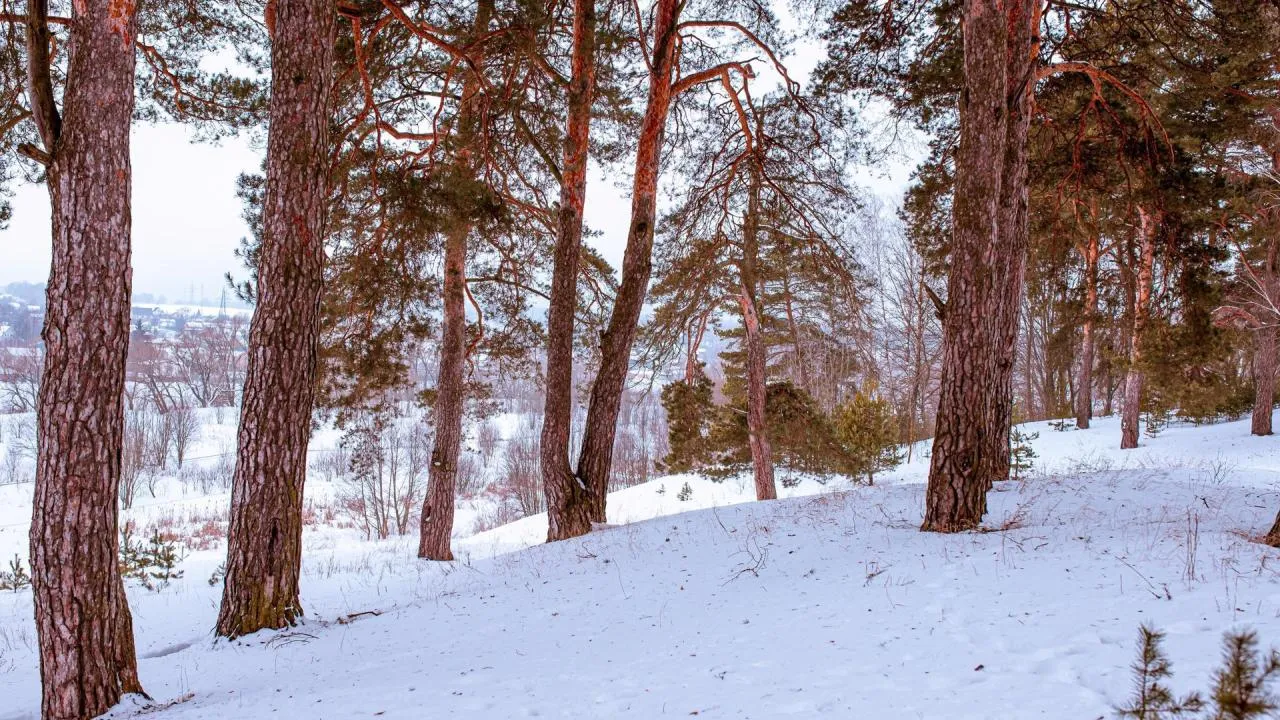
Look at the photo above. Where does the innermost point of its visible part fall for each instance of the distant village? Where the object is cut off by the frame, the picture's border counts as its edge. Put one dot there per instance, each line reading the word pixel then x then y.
pixel 180 355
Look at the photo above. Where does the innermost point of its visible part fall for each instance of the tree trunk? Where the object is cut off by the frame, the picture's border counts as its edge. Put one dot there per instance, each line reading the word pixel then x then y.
pixel 436 525
pixel 83 625
pixel 1141 309
pixel 956 495
pixel 596 458
pixel 1084 386
pixel 757 391
pixel 1264 378
pixel 264 540
pixel 1012 235
pixel 568 506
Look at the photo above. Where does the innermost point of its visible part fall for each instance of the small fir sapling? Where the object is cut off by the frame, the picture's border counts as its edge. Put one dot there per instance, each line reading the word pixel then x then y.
pixel 1152 699
pixel 1021 454
pixel 16 577
pixel 1241 687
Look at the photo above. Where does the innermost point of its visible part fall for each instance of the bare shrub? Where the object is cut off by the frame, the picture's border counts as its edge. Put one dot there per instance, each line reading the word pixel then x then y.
pixel 186 429
pixel 630 461
pixel 332 464
pixel 14 467
pixel 470 477
pixel 521 481
pixel 487 438
pixel 386 475
pixel 133 457
pixel 496 515
pixel 20 369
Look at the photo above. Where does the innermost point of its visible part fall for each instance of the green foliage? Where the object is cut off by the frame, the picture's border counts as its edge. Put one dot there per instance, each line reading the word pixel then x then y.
pixel 866 428
pixel 1021 454
pixel 686 493
pixel 152 563
pixel 1156 421
pixel 803 437
pixel 689 409
pixel 1241 686
pixel 16 577
pixel 1152 699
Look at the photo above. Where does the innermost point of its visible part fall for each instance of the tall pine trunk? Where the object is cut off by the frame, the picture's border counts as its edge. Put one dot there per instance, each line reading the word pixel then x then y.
pixel 436 525
pixel 956 495
pixel 568 507
pixel 1084 385
pixel 596 459
pixel 1264 379
pixel 264 543
pixel 83 625
pixel 1012 235
pixel 1264 337
pixel 1133 378
pixel 757 390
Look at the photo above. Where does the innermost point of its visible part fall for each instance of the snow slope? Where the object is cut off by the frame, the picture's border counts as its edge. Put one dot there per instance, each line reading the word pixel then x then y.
pixel 826 603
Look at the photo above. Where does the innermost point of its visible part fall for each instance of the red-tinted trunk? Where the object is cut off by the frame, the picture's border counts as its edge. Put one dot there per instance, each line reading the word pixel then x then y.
pixel 1264 379
pixel 1084 384
pixel 1012 236
pixel 757 391
pixel 436 525
pixel 956 494
pixel 83 625
pixel 264 545
pixel 596 459
pixel 568 505
pixel 1133 379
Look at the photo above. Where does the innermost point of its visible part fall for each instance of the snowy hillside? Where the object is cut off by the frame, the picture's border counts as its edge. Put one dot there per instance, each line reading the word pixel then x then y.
pixel 826 603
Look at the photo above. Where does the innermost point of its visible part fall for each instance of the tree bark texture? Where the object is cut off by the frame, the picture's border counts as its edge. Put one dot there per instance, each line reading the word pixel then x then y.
pixel 596 459
pixel 436 525
pixel 83 625
pixel 1084 385
pixel 757 390
pixel 1013 233
pixel 264 545
pixel 568 500
pixel 956 495
pixel 1129 419
pixel 1264 379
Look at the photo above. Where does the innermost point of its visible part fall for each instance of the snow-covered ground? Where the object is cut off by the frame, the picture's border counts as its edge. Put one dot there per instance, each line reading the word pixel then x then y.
pixel 828 602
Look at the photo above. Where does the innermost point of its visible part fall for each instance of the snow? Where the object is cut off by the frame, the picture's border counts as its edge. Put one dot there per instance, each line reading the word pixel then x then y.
pixel 828 602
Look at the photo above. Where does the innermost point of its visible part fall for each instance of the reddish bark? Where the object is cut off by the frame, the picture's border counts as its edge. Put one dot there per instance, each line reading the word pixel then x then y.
pixel 1133 379
pixel 264 545
pixel 436 525
pixel 83 625
pixel 695 334
pixel 1084 384
pixel 596 458
pixel 567 497
pixel 956 495
pixel 1264 379
pixel 757 391
pixel 1022 18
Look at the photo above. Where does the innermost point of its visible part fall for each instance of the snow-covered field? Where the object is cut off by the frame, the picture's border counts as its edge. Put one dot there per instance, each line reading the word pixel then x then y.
pixel 828 602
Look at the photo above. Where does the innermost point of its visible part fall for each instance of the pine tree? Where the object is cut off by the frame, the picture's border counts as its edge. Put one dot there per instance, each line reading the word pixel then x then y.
pixel 865 426
pixel 1152 699
pixel 1241 687
pixel 264 544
